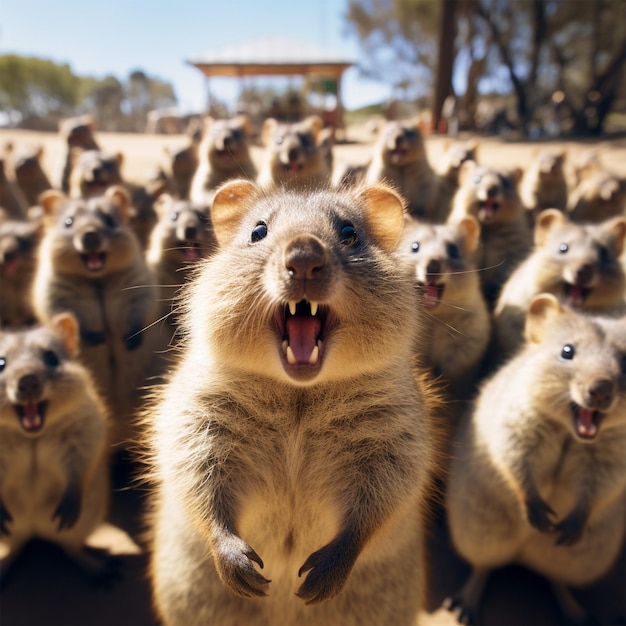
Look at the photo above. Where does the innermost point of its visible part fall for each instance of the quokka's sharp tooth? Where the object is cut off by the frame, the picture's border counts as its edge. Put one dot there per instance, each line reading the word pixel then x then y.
pixel 285 345
pixel 314 306
pixel 291 357
pixel 292 307
pixel 314 356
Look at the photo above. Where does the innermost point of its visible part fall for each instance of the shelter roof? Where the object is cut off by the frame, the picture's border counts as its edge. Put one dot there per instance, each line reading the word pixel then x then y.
pixel 271 56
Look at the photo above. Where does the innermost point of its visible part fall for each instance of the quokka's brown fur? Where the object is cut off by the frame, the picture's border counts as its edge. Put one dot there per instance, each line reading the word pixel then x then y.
pixel 599 196
pixel 90 263
pixel 539 474
pixel 75 132
pixel 291 446
pixel 181 238
pixel 448 169
pixel 180 167
pixel 12 201
pixel 544 183
pixel 399 158
pixel 223 154
pixel 578 263
pixel 297 155
pixel 28 172
pixel 54 475
pixel 18 256
pixel 455 322
pixel 491 196
pixel 95 171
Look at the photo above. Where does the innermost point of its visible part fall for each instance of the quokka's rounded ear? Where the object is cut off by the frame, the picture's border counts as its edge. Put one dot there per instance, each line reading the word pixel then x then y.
pixel 544 309
pixel 470 227
pixel 465 171
pixel 314 123
pixel 243 122
pixel 616 229
pixel 121 198
pixel 384 210
pixel 51 200
pixel 268 130
pixel 162 203
pixel 67 326
pixel 230 204
pixel 546 221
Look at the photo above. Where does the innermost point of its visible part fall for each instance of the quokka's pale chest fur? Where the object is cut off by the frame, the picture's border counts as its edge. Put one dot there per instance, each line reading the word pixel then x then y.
pixel 90 263
pixel 292 443
pixel 54 482
pixel 540 459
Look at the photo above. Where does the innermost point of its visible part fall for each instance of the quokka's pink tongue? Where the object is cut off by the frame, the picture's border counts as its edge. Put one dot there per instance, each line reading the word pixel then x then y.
pixel 576 295
pixel 191 251
pixel 31 419
pixel 431 296
pixel 585 423
pixel 94 261
pixel 11 268
pixel 489 207
pixel 302 332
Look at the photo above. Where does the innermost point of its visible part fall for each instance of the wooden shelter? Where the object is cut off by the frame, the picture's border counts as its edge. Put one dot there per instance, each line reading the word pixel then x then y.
pixel 271 56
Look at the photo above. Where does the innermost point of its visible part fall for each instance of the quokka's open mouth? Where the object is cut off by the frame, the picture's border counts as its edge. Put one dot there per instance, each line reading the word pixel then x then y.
pixel 31 415
pixel 488 208
pixel 432 293
pixel 302 328
pixel 94 261
pixel 576 294
pixel 586 421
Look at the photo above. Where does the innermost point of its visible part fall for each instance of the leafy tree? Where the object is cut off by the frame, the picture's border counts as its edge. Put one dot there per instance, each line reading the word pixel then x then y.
pixel 142 94
pixel 398 38
pixel 103 98
pixel 446 55
pixel 554 55
pixel 550 45
pixel 37 87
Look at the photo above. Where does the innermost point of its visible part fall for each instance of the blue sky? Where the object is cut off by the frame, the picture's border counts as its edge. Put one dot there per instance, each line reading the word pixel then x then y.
pixel 157 36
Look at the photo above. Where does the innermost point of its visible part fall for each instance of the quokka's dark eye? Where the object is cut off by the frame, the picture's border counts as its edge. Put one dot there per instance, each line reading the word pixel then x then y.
pixel 306 141
pixel 3 363
pixel 506 183
pixel 563 248
pixel 348 235
pixel 68 221
pixel 453 251
pixel 568 351
pixel 259 232
pixel 605 255
pixel 109 220
pixel 50 358
pixel 415 246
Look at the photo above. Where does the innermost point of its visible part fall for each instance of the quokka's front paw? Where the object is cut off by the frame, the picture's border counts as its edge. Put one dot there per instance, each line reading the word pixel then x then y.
pixel 233 559
pixel 68 510
pixel 570 530
pixel 134 337
pixel 329 568
pixel 539 513
pixel 463 613
pixel 5 517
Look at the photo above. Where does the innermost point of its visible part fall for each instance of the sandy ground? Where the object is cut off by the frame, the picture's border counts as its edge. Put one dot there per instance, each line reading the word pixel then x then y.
pixel 46 588
pixel 143 152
